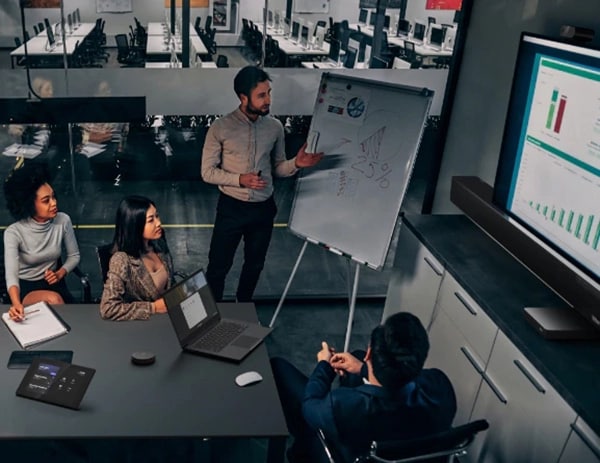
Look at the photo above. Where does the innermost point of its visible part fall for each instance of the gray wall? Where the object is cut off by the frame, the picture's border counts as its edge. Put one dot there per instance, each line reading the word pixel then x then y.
pixel 477 121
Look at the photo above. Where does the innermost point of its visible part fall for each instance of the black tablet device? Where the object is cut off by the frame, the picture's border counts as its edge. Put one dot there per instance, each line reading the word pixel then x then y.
pixel 55 382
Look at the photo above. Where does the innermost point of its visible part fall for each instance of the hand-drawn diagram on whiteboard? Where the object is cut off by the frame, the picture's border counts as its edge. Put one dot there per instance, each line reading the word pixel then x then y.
pixel 114 6
pixel 370 134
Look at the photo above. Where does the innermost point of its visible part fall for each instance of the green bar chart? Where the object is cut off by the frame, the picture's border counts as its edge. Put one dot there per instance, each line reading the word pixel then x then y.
pixel 584 227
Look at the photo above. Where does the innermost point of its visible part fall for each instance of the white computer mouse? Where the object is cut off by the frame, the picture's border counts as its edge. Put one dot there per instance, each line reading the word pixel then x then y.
pixel 248 378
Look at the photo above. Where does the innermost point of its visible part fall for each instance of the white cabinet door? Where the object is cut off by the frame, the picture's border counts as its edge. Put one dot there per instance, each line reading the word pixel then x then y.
pixel 450 352
pixel 478 329
pixel 583 445
pixel 529 421
pixel 415 279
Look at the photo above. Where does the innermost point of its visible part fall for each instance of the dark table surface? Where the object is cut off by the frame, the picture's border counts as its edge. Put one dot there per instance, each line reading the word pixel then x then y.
pixel 181 395
pixel 503 287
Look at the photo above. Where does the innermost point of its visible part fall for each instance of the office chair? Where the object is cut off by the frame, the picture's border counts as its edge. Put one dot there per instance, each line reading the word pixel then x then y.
pixel 103 253
pixel 445 446
pixel 26 36
pixel 411 56
pixel 41 26
pixel 222 61
pixel 208 24
pixel 36 31
pixel 198 24
pixel 126 55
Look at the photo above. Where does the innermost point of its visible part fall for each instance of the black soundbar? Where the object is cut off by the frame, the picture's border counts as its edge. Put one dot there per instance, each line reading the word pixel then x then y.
pixel 474 197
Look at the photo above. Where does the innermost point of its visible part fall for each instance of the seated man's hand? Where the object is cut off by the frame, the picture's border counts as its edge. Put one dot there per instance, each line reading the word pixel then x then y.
pixel 325 353
pixel 345 363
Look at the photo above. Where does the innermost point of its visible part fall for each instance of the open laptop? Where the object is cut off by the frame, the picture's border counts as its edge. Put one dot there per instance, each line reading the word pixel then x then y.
pixel 200 327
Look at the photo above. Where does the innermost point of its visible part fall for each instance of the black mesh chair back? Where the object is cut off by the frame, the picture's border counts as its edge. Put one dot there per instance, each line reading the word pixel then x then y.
pixel 104 252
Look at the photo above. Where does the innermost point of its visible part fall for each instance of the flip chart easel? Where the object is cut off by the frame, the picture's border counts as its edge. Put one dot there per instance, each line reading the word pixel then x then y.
pixel 349 203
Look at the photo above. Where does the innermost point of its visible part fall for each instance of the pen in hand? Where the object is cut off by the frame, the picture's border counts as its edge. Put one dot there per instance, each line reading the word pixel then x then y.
pixel 29 313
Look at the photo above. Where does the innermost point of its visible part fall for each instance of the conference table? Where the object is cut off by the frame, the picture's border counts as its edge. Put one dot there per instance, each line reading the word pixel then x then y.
pixel 181 395
pixel 37 46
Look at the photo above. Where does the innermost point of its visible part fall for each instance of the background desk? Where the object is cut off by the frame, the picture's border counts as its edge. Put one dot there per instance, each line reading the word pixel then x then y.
pixel 37 48
pixel 181 395
pixel 295 49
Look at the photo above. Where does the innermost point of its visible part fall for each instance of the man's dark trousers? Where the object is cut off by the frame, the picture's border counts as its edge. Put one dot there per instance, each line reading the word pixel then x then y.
pixel 236 219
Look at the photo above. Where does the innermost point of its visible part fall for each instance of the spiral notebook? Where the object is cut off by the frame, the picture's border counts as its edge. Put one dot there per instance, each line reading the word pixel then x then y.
pixel 41 324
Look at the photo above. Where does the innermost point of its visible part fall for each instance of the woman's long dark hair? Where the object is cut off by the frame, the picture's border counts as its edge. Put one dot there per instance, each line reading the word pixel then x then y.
pixel 129 227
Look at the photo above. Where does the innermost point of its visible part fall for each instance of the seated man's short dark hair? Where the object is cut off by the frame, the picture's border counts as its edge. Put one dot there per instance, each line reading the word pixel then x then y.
pixel 399 348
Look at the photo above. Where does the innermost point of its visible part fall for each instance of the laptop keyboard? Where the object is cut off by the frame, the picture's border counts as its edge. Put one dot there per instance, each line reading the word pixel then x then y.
pixel 220 336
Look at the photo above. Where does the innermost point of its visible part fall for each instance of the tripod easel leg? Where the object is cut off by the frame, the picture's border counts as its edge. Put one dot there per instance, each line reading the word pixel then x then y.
pixel 352 307
pixel 288 284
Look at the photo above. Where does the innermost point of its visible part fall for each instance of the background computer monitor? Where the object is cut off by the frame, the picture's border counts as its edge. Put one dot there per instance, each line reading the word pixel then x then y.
pixel 386 22
pixel 372 18
pixel 436 35
pixel 334 49
pixel 77 16
pixel 50 33
pixel 70 22
pixel 304 36
pixel 270 18
pixel 350 57
pixel 449 38
pixel 295 30
pixel 319 37
pixel 363 14
pixel 403 27
pixel 419 31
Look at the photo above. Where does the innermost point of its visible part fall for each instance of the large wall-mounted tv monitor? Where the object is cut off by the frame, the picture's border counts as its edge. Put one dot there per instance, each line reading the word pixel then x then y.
pixel 419 31
pixel 548 177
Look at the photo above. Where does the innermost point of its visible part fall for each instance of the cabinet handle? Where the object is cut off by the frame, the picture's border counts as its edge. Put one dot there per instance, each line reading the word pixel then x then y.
pixel 494 388
pixel 471 359
pixel 433 266
pixel 464 302
pixel 529 376
pixel 577 429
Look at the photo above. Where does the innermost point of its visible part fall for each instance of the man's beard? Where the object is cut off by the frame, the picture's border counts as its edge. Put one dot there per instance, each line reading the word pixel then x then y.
pixel 257 112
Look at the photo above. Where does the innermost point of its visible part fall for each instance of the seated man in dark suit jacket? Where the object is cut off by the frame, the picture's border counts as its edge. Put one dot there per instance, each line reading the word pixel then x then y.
pixel 388 395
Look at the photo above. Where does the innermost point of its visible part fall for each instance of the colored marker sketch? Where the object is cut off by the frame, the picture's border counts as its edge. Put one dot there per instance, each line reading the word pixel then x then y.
pixel 340 184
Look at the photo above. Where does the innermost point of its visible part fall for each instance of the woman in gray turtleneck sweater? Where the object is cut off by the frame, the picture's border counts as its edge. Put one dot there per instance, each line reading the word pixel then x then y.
pixel 34 243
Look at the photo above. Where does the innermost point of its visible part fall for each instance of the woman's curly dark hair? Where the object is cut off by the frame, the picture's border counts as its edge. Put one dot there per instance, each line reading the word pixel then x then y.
pixel 20 189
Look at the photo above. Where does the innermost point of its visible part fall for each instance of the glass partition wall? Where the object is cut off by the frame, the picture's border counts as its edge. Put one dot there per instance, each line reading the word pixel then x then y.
pixel 129 124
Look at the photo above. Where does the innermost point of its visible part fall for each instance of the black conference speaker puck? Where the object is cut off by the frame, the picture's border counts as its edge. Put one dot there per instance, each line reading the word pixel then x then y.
pixel 143 358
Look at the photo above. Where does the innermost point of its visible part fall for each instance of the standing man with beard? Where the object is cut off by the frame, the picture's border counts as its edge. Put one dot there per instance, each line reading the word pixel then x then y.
pixel 242 152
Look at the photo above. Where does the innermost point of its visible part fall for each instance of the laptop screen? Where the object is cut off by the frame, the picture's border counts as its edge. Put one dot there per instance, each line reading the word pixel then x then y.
pixel 190 304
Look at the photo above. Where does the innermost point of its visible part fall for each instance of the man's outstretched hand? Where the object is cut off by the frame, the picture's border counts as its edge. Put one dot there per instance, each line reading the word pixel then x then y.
pixel 304 159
